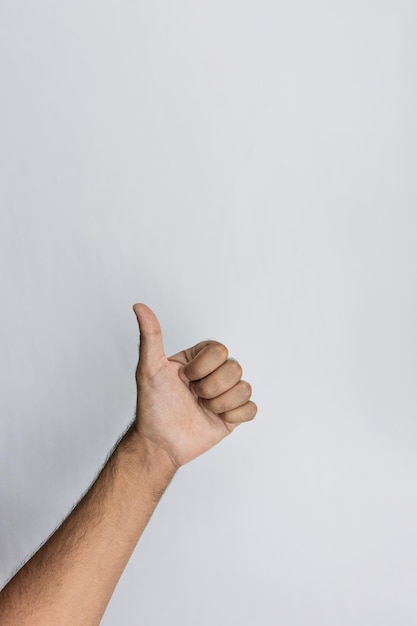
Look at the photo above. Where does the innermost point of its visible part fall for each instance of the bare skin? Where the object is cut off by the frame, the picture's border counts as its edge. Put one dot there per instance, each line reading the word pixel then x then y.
pixel 185 405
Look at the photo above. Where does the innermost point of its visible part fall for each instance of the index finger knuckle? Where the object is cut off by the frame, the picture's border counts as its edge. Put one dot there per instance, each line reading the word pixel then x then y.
pixel 220 349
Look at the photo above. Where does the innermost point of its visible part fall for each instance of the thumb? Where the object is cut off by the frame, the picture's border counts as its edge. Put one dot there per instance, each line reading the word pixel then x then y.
pixel 151 347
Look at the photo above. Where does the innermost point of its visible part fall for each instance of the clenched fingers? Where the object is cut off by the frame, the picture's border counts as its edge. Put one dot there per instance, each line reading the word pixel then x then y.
pixel 235 397
pixel 205 358
pixel 218 382
pixel 241 414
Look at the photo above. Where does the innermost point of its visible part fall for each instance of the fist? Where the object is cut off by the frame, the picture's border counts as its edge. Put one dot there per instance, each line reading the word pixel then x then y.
pixel 190 401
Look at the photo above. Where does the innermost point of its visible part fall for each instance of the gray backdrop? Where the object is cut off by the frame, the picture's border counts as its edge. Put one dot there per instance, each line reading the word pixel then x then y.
pixel 247 169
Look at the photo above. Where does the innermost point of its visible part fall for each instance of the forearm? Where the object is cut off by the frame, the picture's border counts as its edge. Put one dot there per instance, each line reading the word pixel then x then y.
pixel 70 579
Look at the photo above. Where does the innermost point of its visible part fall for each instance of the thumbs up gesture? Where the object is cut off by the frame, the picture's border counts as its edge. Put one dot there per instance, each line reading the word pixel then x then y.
pixel 190 401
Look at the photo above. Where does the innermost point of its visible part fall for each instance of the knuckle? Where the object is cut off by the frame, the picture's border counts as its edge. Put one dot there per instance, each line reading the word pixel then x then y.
pixel 246 388
pixel 254 410
pixel 220 349
pixel 237 367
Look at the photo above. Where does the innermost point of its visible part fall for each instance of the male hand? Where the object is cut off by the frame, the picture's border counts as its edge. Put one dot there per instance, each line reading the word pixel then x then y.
pixel 190 401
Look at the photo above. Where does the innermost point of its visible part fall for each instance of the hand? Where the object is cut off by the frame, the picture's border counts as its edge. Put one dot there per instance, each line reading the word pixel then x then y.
pixel 190 401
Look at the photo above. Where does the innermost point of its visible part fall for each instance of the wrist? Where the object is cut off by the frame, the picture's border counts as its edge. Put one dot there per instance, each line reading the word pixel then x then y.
pixel 153 457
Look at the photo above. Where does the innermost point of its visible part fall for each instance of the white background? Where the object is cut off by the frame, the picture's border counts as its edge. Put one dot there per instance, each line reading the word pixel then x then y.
pixel 247 169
